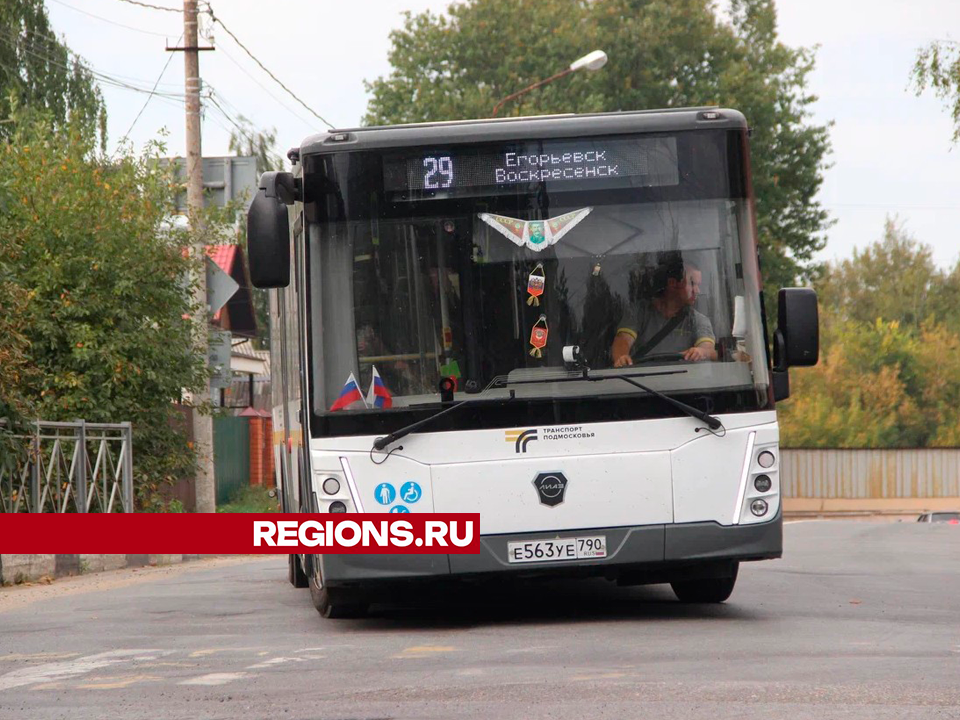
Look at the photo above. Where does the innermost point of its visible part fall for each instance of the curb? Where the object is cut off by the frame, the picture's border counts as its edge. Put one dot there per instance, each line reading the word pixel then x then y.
pixel 16 569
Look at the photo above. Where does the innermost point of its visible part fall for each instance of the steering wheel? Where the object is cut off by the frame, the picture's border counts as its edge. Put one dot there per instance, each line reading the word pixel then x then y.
pixel 658 357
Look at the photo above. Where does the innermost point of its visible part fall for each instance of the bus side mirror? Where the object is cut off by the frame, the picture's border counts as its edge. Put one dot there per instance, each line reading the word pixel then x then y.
pixel 796 342
pixel 268 242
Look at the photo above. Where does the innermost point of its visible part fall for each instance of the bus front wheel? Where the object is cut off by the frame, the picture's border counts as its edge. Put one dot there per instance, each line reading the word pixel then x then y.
pixel 334 603
pixel 706 590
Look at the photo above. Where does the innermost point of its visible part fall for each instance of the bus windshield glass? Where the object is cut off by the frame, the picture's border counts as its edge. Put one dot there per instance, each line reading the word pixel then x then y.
pixel 482 263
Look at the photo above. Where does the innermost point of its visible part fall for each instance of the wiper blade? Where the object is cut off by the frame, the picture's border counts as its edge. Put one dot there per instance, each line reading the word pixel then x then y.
pixel 712 422
pixel 381 442
pixel 501 381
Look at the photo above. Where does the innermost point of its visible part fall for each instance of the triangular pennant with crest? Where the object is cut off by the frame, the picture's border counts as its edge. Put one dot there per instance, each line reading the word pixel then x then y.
pixel 535 234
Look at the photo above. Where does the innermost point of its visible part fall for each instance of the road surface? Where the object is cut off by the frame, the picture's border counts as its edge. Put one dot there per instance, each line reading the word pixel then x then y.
pixel 859 620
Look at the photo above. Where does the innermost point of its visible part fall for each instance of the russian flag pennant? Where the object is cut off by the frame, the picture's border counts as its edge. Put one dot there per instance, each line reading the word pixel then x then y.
pixel 349 395
pixel 378 396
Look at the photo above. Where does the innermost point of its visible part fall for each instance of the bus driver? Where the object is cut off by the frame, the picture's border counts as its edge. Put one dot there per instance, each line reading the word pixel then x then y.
pixel 667 323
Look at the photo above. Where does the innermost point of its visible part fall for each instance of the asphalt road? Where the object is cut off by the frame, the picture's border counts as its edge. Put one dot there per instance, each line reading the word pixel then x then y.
pixel 859 620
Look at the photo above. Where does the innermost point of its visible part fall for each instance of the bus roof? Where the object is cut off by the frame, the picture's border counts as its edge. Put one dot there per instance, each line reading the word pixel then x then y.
pixel 542 126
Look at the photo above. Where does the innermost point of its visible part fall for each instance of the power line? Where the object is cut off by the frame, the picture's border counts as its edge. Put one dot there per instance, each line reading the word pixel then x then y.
pixel 265 89
pixel 243 132
pixel 111 22
pixel 263 67
pixel 152 7
pixel 149 97
pixel 115 81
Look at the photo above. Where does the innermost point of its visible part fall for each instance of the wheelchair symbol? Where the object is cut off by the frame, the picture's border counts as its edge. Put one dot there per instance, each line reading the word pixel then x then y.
pixel 410 492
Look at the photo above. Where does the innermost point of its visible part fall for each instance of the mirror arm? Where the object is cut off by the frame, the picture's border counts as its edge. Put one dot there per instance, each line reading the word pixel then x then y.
pixel 779 351
pixel 282 186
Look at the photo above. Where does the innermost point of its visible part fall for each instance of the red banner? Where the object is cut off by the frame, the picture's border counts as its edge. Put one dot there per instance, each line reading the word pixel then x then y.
pixel 253 533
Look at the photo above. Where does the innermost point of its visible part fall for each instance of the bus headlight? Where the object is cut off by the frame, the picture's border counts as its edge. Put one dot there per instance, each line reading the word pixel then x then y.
pixel 759 507
pixel 763 483
pixel 766 459
pixel 339 507
pixel 331 486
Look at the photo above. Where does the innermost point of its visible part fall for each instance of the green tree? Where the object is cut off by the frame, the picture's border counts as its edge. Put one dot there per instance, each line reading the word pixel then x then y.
pixel 892 279
pixel 247 141
pixel 859 395
pixel 108 312
pixel 39 71
pixel 938 67
pixel 889 372
pixel 662 54
pixel 15 367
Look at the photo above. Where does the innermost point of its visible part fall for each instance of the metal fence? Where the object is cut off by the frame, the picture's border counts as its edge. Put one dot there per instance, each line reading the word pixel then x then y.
pixel 70 467
pixel 870 474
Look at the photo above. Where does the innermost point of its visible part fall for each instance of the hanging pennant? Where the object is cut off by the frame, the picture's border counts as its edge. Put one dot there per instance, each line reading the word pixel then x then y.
pixel 535 285
pixel 538 337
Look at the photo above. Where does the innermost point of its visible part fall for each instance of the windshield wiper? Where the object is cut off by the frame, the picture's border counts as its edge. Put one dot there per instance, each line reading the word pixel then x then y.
pixel 712 422
pixel 381 442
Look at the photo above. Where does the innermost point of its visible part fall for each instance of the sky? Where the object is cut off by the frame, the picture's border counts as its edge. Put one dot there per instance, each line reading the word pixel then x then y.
pixel 892 152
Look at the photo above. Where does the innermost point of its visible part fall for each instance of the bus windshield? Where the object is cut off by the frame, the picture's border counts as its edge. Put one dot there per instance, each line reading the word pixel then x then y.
pixel 409 285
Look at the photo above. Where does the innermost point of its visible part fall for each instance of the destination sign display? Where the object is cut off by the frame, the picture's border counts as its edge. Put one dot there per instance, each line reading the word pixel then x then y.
pixel 634 162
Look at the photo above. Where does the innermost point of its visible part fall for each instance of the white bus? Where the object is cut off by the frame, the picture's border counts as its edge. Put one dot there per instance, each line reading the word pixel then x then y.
pixel 556 322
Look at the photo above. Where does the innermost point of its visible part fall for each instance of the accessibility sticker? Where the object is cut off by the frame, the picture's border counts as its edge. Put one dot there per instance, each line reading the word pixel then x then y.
pixel 385 493
pixel 410 492
pixel 399 509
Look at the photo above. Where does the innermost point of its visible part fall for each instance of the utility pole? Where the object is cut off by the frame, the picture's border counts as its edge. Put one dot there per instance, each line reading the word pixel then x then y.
pixel 202 423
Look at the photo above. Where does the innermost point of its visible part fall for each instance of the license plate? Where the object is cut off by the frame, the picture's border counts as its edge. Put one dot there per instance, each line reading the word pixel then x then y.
pixel 574 548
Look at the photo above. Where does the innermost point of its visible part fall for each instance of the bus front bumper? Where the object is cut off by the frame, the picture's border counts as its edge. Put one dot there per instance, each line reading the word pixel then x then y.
pixel 646 553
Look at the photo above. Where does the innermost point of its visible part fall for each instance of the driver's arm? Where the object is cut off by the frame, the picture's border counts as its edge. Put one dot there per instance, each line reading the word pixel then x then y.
pixel 705 346
pixel 704 350
pixel 620 350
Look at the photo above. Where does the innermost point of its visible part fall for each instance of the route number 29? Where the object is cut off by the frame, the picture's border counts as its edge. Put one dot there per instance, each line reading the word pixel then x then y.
pixel 439 172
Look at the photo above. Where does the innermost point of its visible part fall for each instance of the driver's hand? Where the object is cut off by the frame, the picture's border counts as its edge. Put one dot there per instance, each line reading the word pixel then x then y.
pixel 622 361
pixel 696 354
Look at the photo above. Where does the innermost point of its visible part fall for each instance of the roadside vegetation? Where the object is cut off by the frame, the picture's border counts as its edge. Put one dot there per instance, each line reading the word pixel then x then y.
pixel 889 371
pixel 251 499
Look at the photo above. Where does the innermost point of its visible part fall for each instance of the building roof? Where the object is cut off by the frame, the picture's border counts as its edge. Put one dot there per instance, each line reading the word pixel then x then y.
pixel 245 358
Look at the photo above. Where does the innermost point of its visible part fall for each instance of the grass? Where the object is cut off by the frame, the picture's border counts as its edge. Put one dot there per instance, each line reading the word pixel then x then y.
pixel 250 499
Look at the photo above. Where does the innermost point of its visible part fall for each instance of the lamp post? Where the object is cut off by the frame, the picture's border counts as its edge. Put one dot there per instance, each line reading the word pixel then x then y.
pixel 591 61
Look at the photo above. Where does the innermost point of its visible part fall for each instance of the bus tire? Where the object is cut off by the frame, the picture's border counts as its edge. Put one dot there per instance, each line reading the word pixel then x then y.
pixel 298 578
pixel 334 603
pixel 706 590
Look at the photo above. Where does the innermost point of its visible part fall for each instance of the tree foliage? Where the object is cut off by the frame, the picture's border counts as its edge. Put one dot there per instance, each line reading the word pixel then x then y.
pixel 39 71
pixel 105 305
pixel 662 55
pixel 247 141
pixel 889 371
pixel 938 67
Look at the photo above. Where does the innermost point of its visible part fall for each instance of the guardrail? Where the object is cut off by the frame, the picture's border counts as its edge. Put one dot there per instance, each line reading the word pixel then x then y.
pixel 71 467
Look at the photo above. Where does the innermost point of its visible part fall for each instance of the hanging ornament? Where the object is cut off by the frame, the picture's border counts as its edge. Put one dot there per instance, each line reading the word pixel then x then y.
pixel 538 337
pixel 535 285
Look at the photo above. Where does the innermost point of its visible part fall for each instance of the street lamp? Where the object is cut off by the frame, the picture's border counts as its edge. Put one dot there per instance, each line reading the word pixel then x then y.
pixel 591 61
